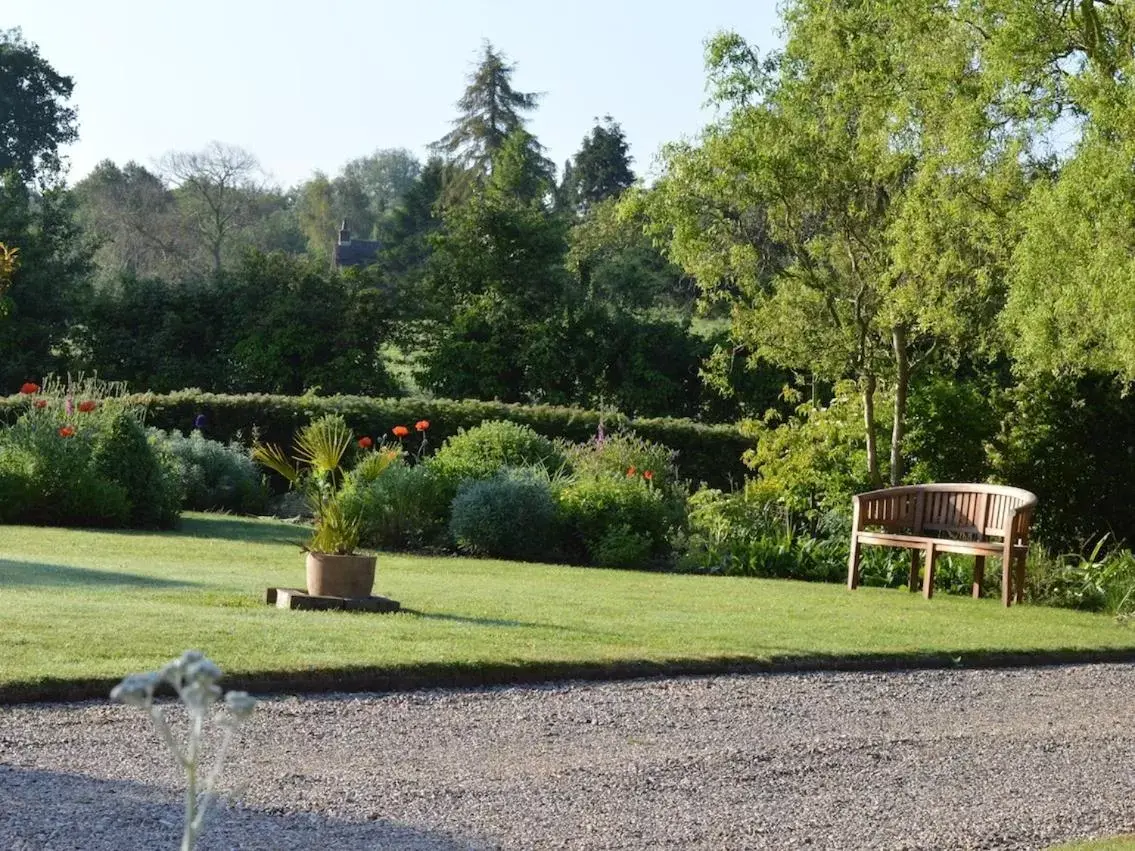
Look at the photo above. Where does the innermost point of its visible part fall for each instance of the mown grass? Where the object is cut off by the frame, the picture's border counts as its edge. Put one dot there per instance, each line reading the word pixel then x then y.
pixel 80 605
pixel 1118 843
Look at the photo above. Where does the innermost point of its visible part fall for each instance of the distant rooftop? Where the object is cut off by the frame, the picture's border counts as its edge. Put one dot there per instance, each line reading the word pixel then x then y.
pixel 354 252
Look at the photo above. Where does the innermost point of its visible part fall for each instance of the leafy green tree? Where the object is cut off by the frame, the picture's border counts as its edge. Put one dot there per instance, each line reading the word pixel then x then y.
pixel 1071 302
pixel 850 152
pixel 316 214
pixel 491 110
pixel 378 181
pixel 601 169
pixel 49 287
pixel 35 120
pixel 617 264
pixel 496 270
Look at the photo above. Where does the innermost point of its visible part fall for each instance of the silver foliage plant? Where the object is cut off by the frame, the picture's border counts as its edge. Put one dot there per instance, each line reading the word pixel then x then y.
pixel 194 678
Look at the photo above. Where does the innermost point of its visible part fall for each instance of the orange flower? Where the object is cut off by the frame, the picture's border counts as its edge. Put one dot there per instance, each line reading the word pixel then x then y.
pixel 365 443
pixel 29 387
pixel 630 472
pixel 66 431
pixel 87 406
pixel 422 425
pixel 41 403
pixel 400 431
pixel 648 475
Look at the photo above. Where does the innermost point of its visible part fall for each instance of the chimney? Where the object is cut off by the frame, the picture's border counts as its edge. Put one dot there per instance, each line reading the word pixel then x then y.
pixel 344 234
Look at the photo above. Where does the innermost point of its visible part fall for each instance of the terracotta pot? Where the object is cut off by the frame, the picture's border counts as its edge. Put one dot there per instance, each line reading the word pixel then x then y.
pixel 331 575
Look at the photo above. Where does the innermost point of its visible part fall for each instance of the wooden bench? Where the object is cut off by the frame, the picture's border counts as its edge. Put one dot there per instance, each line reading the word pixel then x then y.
pixel 947 518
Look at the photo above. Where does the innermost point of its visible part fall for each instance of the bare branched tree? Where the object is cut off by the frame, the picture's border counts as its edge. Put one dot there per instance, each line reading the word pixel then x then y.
pixel 218 187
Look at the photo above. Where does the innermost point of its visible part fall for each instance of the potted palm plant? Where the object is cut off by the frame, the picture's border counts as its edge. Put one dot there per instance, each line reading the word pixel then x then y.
pixel 315 469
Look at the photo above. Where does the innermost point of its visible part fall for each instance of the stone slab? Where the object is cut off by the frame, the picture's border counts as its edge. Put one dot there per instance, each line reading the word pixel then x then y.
pixel 297 598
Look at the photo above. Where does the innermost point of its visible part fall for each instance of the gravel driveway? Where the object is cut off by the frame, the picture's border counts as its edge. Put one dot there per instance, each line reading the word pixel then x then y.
pixel 928 759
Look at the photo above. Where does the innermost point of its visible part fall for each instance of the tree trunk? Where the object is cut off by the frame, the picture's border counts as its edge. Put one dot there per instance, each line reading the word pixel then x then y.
pixel 902 385
pixel 869 423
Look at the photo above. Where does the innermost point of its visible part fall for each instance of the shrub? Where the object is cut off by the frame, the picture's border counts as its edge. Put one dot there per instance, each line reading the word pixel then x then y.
pixel 598 509
pixel 122 454
pixel 511 515
pixel 480 452
pixel 400 507
pixel 746 534
pixel 709 453
pixel 622 546
pixel 1102 581
pixel 213 476
pixel 53 480
pixel 616 454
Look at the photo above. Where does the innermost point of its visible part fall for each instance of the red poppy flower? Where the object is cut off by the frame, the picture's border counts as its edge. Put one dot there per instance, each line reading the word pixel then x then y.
pixel 29 387
pixel 400 431
pixel 87 406
pixel 41 403
pixel 365 443
pixel 630 472
pixel 66 431
pixel 422 425
pixel 648 475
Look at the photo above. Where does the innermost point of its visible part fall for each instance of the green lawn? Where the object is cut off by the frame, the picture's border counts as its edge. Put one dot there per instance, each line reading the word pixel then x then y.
pixel 81 605
pixel 1119 843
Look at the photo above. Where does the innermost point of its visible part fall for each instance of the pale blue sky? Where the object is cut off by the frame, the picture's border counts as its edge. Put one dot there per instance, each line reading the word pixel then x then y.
pixel 310 85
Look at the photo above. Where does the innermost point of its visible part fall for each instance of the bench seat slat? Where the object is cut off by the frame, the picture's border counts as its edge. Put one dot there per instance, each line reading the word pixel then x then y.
pixel 942 545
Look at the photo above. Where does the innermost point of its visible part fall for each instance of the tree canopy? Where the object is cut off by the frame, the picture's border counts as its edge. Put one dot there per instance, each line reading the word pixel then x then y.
pixel 35 120
pixel 491 110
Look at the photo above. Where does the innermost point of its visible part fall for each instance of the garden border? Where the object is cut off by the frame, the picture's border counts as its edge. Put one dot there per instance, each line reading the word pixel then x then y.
pixel 471 676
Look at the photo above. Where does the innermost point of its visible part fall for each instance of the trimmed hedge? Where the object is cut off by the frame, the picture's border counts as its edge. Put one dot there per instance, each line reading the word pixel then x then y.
pixel 706 453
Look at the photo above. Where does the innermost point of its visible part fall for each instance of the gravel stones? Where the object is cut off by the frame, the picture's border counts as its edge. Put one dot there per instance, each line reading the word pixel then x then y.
pixel 917 760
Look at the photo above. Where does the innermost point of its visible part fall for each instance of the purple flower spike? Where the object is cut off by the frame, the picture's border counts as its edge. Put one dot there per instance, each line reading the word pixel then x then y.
pixel 70 405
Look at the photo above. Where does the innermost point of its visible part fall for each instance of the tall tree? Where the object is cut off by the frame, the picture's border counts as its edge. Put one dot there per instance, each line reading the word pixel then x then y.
pixel 1071 68
pixel 851 149
pixel 497 270
pixel 216 189
pixel 316 212
pixel 381 178
pixel 49 286
pixel 134 219
pixel 601 169
pixel 490 111
pixel 35 120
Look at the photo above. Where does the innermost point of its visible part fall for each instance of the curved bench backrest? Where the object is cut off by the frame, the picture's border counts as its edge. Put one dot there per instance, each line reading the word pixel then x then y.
pixel 964 509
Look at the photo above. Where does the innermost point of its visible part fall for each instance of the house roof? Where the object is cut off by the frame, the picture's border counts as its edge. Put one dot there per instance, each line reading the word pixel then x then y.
pixel 357 252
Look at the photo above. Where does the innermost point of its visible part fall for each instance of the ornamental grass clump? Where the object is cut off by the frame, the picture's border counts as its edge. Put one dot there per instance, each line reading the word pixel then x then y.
pixel 194 679
pixel 316 471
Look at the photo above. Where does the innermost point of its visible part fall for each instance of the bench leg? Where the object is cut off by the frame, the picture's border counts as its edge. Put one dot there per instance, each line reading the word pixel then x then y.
pixel 928 577
pixel 1006 580
pixel 853 563
pixel 978 575
pixel 912 582
pixel 1019 579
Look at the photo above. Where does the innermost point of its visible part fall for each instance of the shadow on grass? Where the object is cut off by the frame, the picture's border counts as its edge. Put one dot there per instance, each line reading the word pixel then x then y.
pixel 445 616
pixel 245 530
pixel 32 574
pixel 145 816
